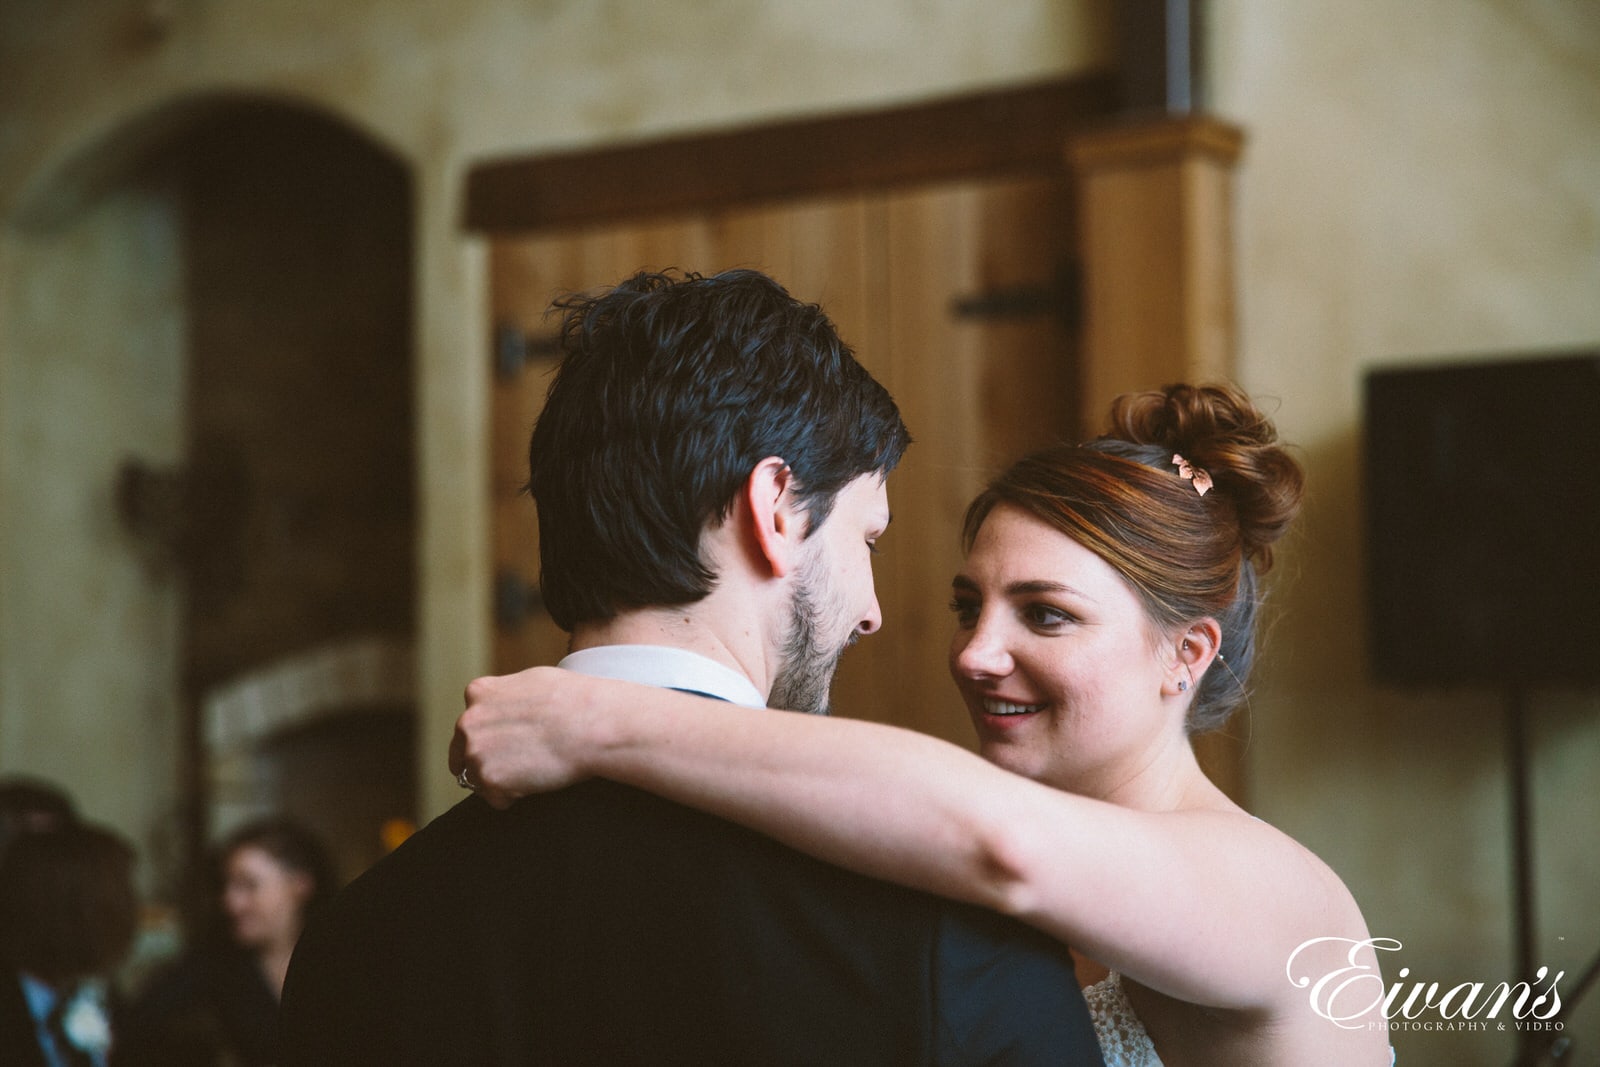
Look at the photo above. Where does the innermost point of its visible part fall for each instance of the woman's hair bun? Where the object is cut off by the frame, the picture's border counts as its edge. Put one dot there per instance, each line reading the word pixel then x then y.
pixel 1218 428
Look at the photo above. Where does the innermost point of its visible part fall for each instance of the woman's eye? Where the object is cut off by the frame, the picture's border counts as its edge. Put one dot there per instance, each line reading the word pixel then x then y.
pixel 966 611
pixel 1045 616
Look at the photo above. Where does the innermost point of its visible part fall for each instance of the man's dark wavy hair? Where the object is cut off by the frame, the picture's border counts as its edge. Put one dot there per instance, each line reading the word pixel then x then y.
pixel 671 389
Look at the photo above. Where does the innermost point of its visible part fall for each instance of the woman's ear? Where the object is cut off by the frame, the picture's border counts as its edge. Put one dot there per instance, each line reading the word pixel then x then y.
pixel 778 523
pixel 1195 647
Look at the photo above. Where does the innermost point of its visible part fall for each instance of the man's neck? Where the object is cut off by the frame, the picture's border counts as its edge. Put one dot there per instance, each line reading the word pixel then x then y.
pixel 679 628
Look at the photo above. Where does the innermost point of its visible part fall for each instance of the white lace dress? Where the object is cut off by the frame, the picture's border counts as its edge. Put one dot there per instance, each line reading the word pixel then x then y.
pixel 1122 1037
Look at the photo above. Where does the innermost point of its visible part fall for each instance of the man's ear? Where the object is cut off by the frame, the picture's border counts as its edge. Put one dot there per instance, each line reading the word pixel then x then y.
pixel 778 523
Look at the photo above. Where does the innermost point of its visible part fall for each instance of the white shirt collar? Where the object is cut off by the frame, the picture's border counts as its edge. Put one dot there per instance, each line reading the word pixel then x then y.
pixel 669 668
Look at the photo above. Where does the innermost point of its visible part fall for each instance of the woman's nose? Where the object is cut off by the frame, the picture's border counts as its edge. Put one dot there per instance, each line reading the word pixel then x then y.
pixel 980 652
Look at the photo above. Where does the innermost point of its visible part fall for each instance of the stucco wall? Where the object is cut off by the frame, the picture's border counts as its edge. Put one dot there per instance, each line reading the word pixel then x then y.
pixel 1421 180
pixel 91 374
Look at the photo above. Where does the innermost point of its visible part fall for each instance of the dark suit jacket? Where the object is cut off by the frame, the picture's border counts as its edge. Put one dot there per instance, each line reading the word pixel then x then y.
pixel 19 1044
pixel 602 925
pixel 211 1005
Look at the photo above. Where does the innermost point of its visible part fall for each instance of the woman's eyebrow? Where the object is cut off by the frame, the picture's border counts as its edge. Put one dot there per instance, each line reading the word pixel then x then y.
pixel 1041 585
pixel 961 583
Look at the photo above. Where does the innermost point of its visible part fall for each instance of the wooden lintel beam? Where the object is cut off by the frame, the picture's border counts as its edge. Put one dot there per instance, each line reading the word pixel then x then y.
pixel 1020 129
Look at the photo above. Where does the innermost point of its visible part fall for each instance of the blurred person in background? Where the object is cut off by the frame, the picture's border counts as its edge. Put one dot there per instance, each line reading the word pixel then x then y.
pixel 218 1002
pixel 68 912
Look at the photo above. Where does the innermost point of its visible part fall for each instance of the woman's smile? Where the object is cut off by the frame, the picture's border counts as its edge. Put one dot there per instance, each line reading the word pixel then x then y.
pixel 1009 709
pixel 1055 656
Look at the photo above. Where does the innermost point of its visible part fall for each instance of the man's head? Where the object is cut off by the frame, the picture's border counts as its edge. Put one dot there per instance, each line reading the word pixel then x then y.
pixel 671 391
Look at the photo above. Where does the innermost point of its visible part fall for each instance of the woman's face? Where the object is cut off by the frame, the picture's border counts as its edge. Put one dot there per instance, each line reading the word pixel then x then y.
pixel 1060 667
pixel 265 900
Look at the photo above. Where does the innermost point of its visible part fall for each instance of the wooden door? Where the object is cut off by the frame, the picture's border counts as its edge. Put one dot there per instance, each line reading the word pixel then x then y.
pixel 893 269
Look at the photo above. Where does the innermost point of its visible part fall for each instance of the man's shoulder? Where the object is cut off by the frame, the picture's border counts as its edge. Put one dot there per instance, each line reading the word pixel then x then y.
pixel 597 818
pixel 462 835
pixel 472 862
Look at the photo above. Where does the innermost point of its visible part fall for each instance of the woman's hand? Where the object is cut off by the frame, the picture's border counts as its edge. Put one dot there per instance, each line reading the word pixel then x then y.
pixel 521 734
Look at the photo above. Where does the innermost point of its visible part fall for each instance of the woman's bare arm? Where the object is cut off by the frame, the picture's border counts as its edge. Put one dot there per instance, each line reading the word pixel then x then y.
pixel 799 778
pixel 1204 906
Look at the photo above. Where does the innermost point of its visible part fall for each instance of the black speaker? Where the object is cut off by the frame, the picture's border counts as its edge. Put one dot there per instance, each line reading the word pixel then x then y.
pixel 1483 522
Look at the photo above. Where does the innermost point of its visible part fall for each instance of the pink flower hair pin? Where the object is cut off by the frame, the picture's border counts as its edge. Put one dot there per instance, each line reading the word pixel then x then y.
pixel 1197 475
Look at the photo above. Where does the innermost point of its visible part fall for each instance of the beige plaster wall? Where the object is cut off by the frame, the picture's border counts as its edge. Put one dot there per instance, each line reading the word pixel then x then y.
pixel 93 374
pixel 1421 180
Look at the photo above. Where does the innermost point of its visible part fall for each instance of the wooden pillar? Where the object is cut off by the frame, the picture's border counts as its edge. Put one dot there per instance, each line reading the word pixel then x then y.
pixel 1154 207
pixel 1155 216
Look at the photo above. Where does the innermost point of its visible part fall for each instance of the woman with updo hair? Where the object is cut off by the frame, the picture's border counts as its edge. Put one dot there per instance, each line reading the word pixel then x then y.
pixel 1106 613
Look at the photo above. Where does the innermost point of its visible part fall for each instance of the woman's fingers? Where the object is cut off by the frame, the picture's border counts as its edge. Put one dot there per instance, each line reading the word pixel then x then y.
pixel 504 741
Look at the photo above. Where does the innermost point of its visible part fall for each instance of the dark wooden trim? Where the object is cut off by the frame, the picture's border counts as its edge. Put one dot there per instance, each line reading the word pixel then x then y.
pixel 1012 130
pixel 1158 41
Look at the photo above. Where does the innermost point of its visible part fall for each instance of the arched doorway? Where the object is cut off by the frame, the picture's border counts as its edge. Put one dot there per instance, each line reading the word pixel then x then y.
pixel 301 528
pixel 236 272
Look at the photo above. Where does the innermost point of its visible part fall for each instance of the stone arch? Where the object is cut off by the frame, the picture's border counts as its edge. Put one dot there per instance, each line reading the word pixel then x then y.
pixel 75 177
pixel 123 493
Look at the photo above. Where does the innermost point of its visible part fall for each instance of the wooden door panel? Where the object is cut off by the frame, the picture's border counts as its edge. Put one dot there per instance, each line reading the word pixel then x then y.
pixel 888 267
pixel 680 244
pixel 756 238
pixel 817 249
pixel 526 275
pixel 976 393
pixel 935 253
pixel 1026 374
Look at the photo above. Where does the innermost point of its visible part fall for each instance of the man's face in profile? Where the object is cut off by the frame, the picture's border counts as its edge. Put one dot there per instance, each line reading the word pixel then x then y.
pixel 834 599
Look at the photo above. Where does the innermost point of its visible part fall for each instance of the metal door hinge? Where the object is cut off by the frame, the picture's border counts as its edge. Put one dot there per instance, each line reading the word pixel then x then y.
pixel 1060 296
pixel 515 599
pixel 514 349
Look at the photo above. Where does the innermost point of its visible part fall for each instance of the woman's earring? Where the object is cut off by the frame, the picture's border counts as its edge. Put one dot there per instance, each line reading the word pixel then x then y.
pixel 1183 685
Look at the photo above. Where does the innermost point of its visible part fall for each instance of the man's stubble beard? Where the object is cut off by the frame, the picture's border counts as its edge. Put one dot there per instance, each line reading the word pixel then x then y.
pixel 807 670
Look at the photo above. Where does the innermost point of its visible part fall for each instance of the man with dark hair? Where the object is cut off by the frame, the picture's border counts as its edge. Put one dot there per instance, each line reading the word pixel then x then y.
pixel 671 398
pixel 709 472
pixel 68 913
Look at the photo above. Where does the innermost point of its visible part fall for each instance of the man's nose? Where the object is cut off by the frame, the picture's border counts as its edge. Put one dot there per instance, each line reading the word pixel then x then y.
pixel 873 620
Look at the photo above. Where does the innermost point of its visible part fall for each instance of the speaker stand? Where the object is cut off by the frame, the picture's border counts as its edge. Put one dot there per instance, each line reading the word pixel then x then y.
pixel 1534 1049
pixel 1522 937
